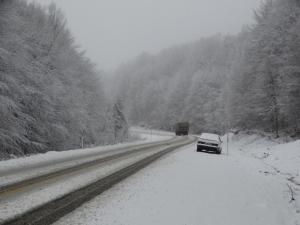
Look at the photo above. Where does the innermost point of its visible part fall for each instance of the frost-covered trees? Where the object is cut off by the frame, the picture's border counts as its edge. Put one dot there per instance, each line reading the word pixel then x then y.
pixel 120 125
pixel 289 71
pixel 250 80
pixel 15 81
pixel 49 90
pixel 183 83
pixel 266 73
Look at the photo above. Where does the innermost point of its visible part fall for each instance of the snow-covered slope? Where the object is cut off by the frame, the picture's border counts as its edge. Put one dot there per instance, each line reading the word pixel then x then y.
pixel 282 158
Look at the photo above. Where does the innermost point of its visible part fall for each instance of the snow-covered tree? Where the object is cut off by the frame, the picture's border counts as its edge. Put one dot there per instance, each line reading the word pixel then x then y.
pixel 48 88
pixel 119 121
pixel 261 82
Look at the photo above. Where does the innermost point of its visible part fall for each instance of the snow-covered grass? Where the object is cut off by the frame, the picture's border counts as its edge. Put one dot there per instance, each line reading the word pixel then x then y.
pixel 283 158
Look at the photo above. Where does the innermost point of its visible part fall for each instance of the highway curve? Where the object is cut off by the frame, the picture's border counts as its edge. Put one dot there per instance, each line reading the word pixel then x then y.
pixel 51 211
pixel 16 186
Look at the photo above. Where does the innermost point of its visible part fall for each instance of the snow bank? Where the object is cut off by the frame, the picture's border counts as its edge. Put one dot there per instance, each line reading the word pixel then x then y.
pixel 147 136
pixel 284 158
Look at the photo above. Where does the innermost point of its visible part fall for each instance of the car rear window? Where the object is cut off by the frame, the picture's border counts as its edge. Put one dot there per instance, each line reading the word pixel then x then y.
pixel 208 136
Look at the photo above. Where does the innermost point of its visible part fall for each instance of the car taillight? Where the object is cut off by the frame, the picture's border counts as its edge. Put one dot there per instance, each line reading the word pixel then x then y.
pixel 214 144
pixel 200 142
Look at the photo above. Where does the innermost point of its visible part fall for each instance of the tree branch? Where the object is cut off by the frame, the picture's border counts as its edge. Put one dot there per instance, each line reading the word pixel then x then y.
pixel 291 192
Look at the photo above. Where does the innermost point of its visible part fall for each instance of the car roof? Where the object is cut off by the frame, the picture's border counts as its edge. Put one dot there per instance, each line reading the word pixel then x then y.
pixel 209 136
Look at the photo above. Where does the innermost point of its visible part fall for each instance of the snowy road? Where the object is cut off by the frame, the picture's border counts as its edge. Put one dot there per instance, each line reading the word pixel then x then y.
pixel 190 187
pixel 19 200
pixel 187 187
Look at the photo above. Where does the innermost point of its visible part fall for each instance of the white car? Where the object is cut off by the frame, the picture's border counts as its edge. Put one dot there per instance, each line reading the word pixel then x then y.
pixel 209 142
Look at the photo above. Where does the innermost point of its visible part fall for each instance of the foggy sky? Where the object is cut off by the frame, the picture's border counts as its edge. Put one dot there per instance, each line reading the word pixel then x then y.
pixel 116 31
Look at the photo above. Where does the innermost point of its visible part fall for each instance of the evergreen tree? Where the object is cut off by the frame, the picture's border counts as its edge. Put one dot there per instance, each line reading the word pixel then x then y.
pixel 119 121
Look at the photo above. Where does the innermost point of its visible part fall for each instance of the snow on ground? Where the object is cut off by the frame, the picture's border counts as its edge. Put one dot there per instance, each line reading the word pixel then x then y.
pixel 52 156
pixel 13 205
pixel 283 158
pixel 249 186
pixel 150 134
pixel 189 187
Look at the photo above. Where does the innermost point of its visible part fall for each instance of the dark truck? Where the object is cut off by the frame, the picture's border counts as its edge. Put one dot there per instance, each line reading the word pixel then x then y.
pixel 182 128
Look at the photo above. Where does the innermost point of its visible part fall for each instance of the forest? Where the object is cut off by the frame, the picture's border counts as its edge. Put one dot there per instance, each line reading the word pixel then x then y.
pixel 52 98
pixel 249 81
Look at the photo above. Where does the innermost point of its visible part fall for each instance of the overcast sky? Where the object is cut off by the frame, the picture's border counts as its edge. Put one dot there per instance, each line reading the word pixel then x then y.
pixel 116 31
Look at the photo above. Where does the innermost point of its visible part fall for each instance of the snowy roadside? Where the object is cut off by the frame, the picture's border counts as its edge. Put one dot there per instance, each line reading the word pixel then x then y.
pixel 52 156
pixel 282 158
pixel 13 206
pixel 247 187
pixel 190 187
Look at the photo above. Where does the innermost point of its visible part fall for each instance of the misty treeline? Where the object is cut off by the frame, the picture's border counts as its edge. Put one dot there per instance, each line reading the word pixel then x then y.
pixel 51 96
pixel 250 81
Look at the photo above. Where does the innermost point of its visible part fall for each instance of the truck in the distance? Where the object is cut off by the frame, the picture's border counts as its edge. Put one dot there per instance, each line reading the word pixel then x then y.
pixel 182 128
